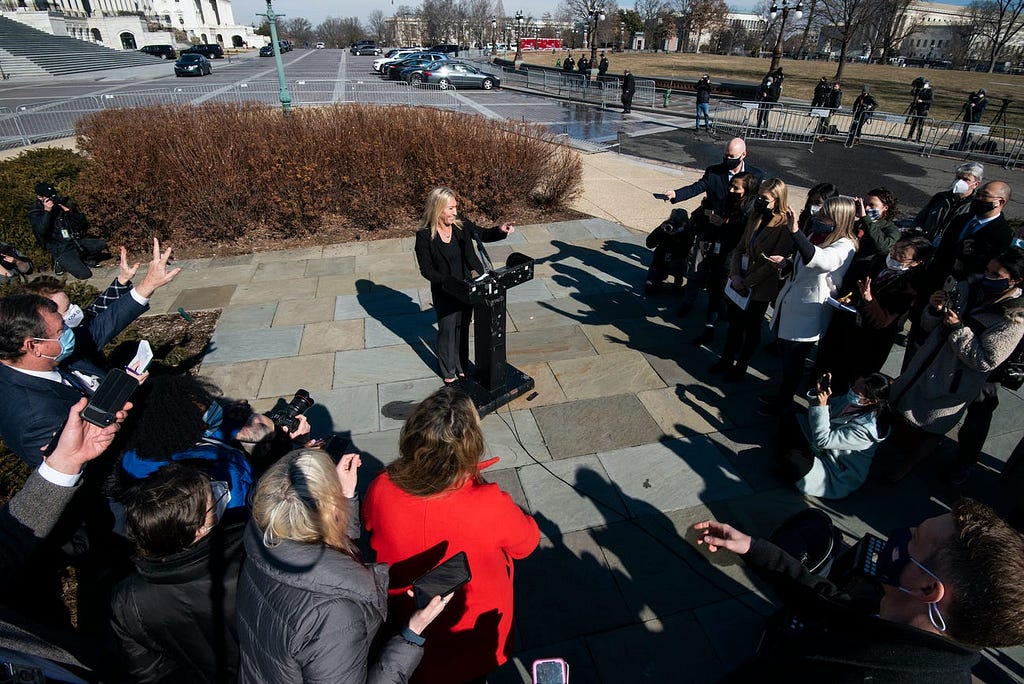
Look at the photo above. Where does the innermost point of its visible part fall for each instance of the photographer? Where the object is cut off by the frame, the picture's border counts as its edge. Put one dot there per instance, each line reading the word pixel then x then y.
pixel 671 242
pixel 949 587
pixel 918 109
pixel 703 89
pixel 13 264
pixel 60 229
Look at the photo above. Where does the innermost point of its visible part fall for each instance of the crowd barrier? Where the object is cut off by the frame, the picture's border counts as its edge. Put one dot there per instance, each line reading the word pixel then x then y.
pixel 606 92
pixel 27 124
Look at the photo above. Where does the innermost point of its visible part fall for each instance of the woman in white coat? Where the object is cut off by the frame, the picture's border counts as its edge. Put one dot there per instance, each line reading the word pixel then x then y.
pixel 801 313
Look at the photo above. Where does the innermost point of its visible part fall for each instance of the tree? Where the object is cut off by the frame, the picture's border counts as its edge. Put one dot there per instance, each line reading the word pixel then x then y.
pixel 338 33
pixel 297 29
pixel 847 17
pixel 440 19
pixel 650 12
pixel 377 25
pixel 961 43
pixel 707 15
pixel 263 29
pixel 812 8
pixel 892 23
pixel 999 21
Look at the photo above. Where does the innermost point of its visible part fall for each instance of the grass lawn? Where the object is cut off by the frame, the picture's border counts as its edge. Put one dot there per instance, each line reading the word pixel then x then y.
pixel 890 85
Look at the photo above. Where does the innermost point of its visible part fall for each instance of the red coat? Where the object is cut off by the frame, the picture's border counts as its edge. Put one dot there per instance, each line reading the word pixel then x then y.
pixel 413 534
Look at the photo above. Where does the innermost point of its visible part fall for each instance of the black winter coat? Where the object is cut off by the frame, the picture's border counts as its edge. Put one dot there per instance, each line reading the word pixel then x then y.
pixel 174 618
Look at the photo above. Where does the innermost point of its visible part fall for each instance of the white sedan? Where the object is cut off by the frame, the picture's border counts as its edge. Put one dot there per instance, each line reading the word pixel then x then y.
pixel 392 56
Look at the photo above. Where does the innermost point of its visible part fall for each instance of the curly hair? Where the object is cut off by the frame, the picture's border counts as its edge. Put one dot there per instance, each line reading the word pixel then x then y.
pixel 984 565
pixel 889 199
pixel 440 445
pixel 171 415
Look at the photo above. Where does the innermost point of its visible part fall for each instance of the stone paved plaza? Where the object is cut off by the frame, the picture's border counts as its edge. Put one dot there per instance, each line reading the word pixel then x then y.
pixel 625 443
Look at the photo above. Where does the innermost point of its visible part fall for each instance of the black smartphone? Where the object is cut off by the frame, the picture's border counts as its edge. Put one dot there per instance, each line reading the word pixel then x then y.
pixel 109 398
pixel 660 195
pixel 442 580
pixel 824 383
pixel 337 446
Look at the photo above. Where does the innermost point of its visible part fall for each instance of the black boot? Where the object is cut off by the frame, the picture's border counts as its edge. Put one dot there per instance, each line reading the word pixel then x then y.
pixel 705 337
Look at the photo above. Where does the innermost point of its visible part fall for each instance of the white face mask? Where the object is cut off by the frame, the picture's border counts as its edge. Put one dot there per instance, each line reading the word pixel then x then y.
pixel 815 208
pixel 74 316
pixel 894 265
pixel 960 187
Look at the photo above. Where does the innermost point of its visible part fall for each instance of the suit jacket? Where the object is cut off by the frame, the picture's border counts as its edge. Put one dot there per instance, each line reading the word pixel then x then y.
pixel 34 409
pixel 629 85
pixel 714 183
pixel 434 267
pixel 27 519
pixel 761 275
pixel 970 256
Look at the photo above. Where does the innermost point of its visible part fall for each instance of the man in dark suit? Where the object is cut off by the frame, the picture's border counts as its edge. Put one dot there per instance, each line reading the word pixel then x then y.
pixel 972 240
pixel 628 90
pixel 715 181
pixel 40 377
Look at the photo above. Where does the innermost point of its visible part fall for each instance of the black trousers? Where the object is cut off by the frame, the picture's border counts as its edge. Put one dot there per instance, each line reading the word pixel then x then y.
pixel 627 102
pixel 974 431
pixel 744 334
pixel 453 324
pixel 72 255
pixel 793 356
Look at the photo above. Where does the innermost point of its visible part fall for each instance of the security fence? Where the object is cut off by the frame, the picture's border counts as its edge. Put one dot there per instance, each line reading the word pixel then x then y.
pixel 39 122
pixel 606 92
pixel 805 125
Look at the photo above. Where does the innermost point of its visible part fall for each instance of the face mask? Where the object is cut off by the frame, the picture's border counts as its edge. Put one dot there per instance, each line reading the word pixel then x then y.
pixel 960 187
pixel 221 499
pixel 993 286
pixel 853 398
pixel 873 214
pixel 67 344
pixel 893 558
pixel 213 417
pixel 761 205
pixel 894 265
pixel 74 316
pixel 822 228
pixel 814 209
pixel 731 163
pixel 1017 242
pixel 979 207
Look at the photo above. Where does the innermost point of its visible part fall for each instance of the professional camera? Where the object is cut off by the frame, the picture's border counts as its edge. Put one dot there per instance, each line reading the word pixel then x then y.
pixel 288 415
pixel 61 199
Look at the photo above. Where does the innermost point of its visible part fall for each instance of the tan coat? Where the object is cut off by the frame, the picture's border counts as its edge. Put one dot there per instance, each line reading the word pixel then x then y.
pixel 761 275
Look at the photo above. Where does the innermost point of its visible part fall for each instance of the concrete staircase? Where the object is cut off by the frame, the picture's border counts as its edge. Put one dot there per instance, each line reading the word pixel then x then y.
pixel 28 52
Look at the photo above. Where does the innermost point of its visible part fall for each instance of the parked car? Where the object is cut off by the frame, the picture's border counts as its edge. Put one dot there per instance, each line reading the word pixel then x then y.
pixel 286 46
pixel 320 45
pixel 445 48
pixel 392 56
pixel 192 64
pixel 162 51
pixel 395 71
pixel 419 58
pixel 365 50
pixel 267 51
pixel 208 50
pixel 459 75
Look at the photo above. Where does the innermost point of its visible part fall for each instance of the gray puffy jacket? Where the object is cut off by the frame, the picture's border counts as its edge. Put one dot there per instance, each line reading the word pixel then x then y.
pixel 308 613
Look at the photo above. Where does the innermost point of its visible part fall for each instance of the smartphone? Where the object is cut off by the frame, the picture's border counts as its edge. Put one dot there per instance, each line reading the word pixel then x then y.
pixel 442 580
pixel 866 553
pixel 550 671
pixel 824 383
pixel 660 195
pixel 109 398
pixel 952 294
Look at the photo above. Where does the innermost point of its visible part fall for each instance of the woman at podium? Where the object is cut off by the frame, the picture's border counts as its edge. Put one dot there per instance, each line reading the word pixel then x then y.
pixel 444 249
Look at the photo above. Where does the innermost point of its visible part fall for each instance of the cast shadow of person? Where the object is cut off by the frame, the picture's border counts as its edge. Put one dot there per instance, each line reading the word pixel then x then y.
pixel 637 571
pixel 400 315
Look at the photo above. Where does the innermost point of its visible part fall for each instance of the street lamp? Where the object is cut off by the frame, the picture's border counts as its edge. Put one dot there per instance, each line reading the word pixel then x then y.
pixel 508 37
pixel 494 39
pixel 777 52
pixel 596 14
pixel 519 34
pixel 622 36
pixel 285 96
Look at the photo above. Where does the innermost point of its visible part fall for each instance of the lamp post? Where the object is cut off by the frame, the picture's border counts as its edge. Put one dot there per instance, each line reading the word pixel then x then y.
pixel 799 8
pixel 285 96
pixel 508 37
pixel 494 39
pixel 622 36
pixel 597 14
pixel 519 34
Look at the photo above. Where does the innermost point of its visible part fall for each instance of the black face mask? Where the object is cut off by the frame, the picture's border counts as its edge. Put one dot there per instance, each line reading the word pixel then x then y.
pixel 979 207
pixel 731 162
pixel 990 286
pixel 761 205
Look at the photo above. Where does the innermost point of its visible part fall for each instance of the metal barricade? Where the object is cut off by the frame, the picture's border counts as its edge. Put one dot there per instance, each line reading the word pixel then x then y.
pixel 377 92
pixel 52 120
pixel 11 135
pixel 999 144
pixel 140 98
pixel 768 120
pixel 434 95
pixel 644 94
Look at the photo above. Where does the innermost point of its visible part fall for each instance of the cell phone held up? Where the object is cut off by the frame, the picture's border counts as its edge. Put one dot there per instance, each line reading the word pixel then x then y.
pixel 550 671
pixel 660 196
pixel 442 580
pixel 109 398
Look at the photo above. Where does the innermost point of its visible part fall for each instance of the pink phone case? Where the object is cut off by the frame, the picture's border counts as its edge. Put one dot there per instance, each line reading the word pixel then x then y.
pixel 550 671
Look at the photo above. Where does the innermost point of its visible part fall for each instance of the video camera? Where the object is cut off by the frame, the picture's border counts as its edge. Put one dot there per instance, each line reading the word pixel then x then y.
pixel 288 416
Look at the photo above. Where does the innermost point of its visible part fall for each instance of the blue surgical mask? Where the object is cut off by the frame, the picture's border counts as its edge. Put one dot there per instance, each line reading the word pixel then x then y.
pixel 67 344
pixel 213 417
pixel 853 398
pixel 893 558
pixel 221 492
pixel 873 214
pixel 1017 242
pixel 894 265
pixel 814 209
pixel 74 316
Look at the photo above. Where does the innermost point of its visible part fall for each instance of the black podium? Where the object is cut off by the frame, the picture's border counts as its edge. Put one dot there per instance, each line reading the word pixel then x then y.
pixel 495 382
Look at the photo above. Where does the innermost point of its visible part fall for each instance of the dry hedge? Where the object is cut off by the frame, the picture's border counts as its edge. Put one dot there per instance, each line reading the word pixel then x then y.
pixel 222 172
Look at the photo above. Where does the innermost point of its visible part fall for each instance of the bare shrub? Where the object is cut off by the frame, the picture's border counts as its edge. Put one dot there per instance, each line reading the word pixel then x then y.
pixel 223 172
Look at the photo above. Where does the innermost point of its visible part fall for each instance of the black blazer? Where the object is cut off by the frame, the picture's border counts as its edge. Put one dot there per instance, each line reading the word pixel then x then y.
pixel 434 267
pixel 714 183
pixel 951 257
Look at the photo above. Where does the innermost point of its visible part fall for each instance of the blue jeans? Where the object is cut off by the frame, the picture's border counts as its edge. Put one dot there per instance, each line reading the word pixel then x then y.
pixel 704 108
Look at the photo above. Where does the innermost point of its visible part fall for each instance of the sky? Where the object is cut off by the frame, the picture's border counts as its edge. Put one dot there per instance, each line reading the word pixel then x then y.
pixel 318 10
